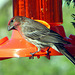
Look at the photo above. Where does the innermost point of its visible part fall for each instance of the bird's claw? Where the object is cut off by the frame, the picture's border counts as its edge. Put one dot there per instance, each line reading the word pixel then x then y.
pixel 48 52
pixel 32 57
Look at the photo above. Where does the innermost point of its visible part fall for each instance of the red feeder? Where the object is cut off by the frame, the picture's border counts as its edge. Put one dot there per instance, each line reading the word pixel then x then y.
pixel 46 10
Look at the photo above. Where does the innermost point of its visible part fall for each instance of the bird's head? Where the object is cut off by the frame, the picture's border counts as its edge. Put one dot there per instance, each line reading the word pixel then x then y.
pixel 15 22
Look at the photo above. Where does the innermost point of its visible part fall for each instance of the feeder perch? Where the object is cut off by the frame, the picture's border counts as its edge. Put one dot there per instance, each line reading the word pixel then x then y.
pixel 48 12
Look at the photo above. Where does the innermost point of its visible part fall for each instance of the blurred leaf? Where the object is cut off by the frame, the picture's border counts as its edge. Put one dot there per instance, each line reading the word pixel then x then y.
pixel 68 2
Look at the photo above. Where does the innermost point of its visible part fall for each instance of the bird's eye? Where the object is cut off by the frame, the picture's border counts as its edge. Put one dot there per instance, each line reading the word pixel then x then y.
pixel 11 20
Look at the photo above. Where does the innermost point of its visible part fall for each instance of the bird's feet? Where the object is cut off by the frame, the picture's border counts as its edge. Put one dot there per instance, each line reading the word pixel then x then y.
pixel 32 57
pixel 48 52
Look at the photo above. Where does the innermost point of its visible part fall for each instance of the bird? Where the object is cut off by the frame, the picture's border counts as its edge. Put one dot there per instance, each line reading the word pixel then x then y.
pixel 39 35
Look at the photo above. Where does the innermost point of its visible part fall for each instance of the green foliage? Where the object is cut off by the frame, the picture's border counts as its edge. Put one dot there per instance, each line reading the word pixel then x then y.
pixel 68 2
pixel 57 65
pixel 5 15
pixel 67 19
pixel 42 66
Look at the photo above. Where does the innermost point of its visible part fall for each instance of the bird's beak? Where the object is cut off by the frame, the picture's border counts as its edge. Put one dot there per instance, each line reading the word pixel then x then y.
pixel 11 28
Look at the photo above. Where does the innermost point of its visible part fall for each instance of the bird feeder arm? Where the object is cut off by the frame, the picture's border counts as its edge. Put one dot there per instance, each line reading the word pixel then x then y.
pixel 47 10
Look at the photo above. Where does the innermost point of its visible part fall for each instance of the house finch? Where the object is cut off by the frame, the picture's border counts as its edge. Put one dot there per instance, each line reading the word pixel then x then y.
pixel 39 35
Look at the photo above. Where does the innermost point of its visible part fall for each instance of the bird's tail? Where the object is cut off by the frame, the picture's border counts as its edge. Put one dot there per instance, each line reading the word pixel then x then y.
pixel 62 49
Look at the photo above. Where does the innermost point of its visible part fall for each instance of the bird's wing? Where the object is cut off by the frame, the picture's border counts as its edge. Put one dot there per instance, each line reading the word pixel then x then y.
pixel 38 31
pixel 51 38
pixel 46 36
